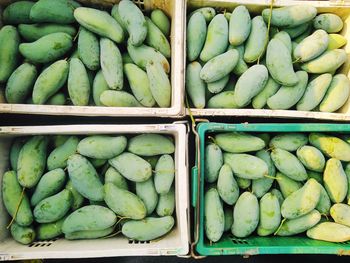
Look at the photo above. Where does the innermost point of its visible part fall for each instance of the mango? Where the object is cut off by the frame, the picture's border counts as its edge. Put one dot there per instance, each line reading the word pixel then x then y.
pixel 270 89
pixel 290 16
pixel 156 39
pixel 196 33
pixel 164 174
pixel 115 14
pixel 15 149
pixel 329 231
pixel 238 142
pixel 288 141
pixel 228 213
pixel 89 49
pixel 89 234
pixel 331 23
pixel 50 81
pixel 335 180
pixel 166 203
pixel 114 177
pixel 312 46
pixel 78 199
pixel 299 225
pixel 347 172
pixel 87 218
pixel 305 34
pixel 11 194
pixel 32 32
pixel 57 99
pixel 208 13
pixel 134 21
pixel 255 45
pixel 214 219
pixel 243 183
pixel 17 12
pixel 245 215
pixel 336 41
pixel 132 167
pixel 78 83
pixel 118 98
pixel 100 23
pixel 287 185
pixel 241 66
pixel 311 158
pixel 151 144
pixel 227 186
pixel 84 177
pixel 195 86
pixel 50 183
pixel 160 19
pixel 48 231
pixel 315 92
pixel 213 162
pixel 296 31
pixel 239 26
pixel 287 96
pixel 218 85
pixel 324 203
pixel 329 61
pixel 53 208
pixel 223 100
pixel 217 38
pixel 99 86
pixel 22 234
pixel 146 191
pixel 278 194
pixel 270 215
pixel 285 39
pixel 341 214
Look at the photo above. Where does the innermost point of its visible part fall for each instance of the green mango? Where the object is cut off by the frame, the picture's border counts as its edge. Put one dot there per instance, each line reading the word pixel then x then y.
pixel 114 177
pixel 331 23
pixel 290 16
pixel 89 234
pixel 195 35
pixel 239 26
pixel 270 215
pixel 32 32
pixel 54 207
pixel 89 49
pixel 243 183
pixel 50 81
pixel 278 194
pixel 255 45
pixel 285 39
pixel 118 98
pixel 208 13
pixel 329 61
pixel 214 219
pixel 100 23
pixel 160 19
pixel 257 168
pixel 115 14
pixel 245 215
pixel 15 149
pixel 241 66
pixel 262 186
pixel 50 183
pixel 312 46
pixel 217 38
pixel 329 231
pixel 139 84
pixel 58 140
pixel 227 186
pixel 58 157
pixel 20 83
pixel 324 204
pixel 212 162
pixel 239 142
pixel 223 100
pixel 49 231
pixel 9 55
pixel 270 89
pixel 59 11
pixel 78 199
pixel 32 161
pixel 250 84
pixel 304 35
pixel 317 176
pixel 296 31
pixel 315 92
pixel 146 191
pixel 164 174
pixel 89 218
pixel 228 213
pixel 134 21
pixel 159 84
pixel 78 83
pixel 102 146
pixel 132 167
pixel 166 203
pixel 195 86
pixel 287 185
pixel 218 85
pixel 57 99
pixel 17 13
pixel 99 86
pixel 311 158
pixel 287 96
pixel 299 225
pixel 156 39
pixel 84 177
pixel 11 195
pixel 290 141
pixel 124 203
pixel 335 180
pixel 22 234
pixel 151 144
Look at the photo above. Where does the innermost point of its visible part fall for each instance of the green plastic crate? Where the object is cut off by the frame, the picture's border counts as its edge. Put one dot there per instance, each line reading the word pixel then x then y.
pixel 228 245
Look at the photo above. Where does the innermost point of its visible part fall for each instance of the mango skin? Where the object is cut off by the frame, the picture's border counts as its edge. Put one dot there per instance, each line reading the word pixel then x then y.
pixel 195 86
pixel 50 81
pixel 335 180
pixel 78 83
pixel 11 194
pixel 84 177
pixel 223 100
pixel 256 43
pixel 9 55
pixel 329 231
pixel 329 61
pixel 239 25
pixel 164 174
pixel 299 225
pixel 148 229
pixel 219 85
pixel 47 48
pixel 124 203
pixel 331 23
pixel 227 186
pixel 249 84
pixel 312 46
pixel 17 12
pixel 311 158
pixel 146 191
pixel 87 218
pixel 336 41
pixel 49 230
pixel 196 33
pixel 341 214
pixel 132 167
pixel 213 162
pixel 22 234
pixel 290 141
pixel 261 186
pixel 214 220
pixel 270 89
pixel 151 144
pixel 217 38
pixel 100 23
pixel 245 215
pixel 278 194
pixel 89 234
pixel 32 32
pixel 89 49
pixel 156 39
pixel 16 147
pixel 285 39
pixel 161 21
pixel 53 208
pixel 166 203
pixel 98 87
pixel 59 156
pixel 287 185
pixel 208 13
pixel 238 142
pixel 270 215
pixel 118 98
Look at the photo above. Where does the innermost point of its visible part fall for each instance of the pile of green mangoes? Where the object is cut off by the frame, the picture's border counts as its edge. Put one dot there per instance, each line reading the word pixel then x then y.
pixel 90 187
pixel 57 52
pixel 277 60
pixel 277 184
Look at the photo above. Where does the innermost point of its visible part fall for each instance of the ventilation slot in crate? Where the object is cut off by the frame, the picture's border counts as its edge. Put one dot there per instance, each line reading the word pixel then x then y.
pixel 45 243
pixel 138 242
pixel 239 241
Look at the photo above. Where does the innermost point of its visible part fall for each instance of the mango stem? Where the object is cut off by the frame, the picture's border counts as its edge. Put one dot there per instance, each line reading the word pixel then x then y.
pixel 17 208
pixel 279 227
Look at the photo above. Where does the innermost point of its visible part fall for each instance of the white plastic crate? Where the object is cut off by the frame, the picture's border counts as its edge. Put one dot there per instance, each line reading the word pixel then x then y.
pixel 174 243
pixel 341 8
pixel 175 9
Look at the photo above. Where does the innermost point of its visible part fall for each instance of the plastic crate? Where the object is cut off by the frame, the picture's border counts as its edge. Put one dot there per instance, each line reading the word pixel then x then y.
pixel 341 8
pixel 175 10
pixel 255 245
pixel 174 243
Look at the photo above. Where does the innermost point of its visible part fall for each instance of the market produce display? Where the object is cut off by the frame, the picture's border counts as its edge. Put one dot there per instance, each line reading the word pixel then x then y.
pixel 90 187
pixel 271 60
pixel 58 52
pixel 280 184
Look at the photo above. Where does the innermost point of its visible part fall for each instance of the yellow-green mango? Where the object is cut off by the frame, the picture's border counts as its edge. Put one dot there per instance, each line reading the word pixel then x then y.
pixel 166 203
pixel 311 158
pixel 329 61
pixel 329 231
pixel 89 234
pixel 156 39
pixel 161 20
pixel 335 180
pixel 262 186
pixel 114 177
pixel 223 100
pixel 341 214
pixel 336 41
pixel 146 191
pixel 89 49
pixel 287 185
pixel 218 85
pixel 78 83
pixel 296 31
pixel 270 215
pixel 270 89
pixel 331 23
pixel 118 98
pixel 22 234
pixel 98 87
pixel 290 141
pixel 78 199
